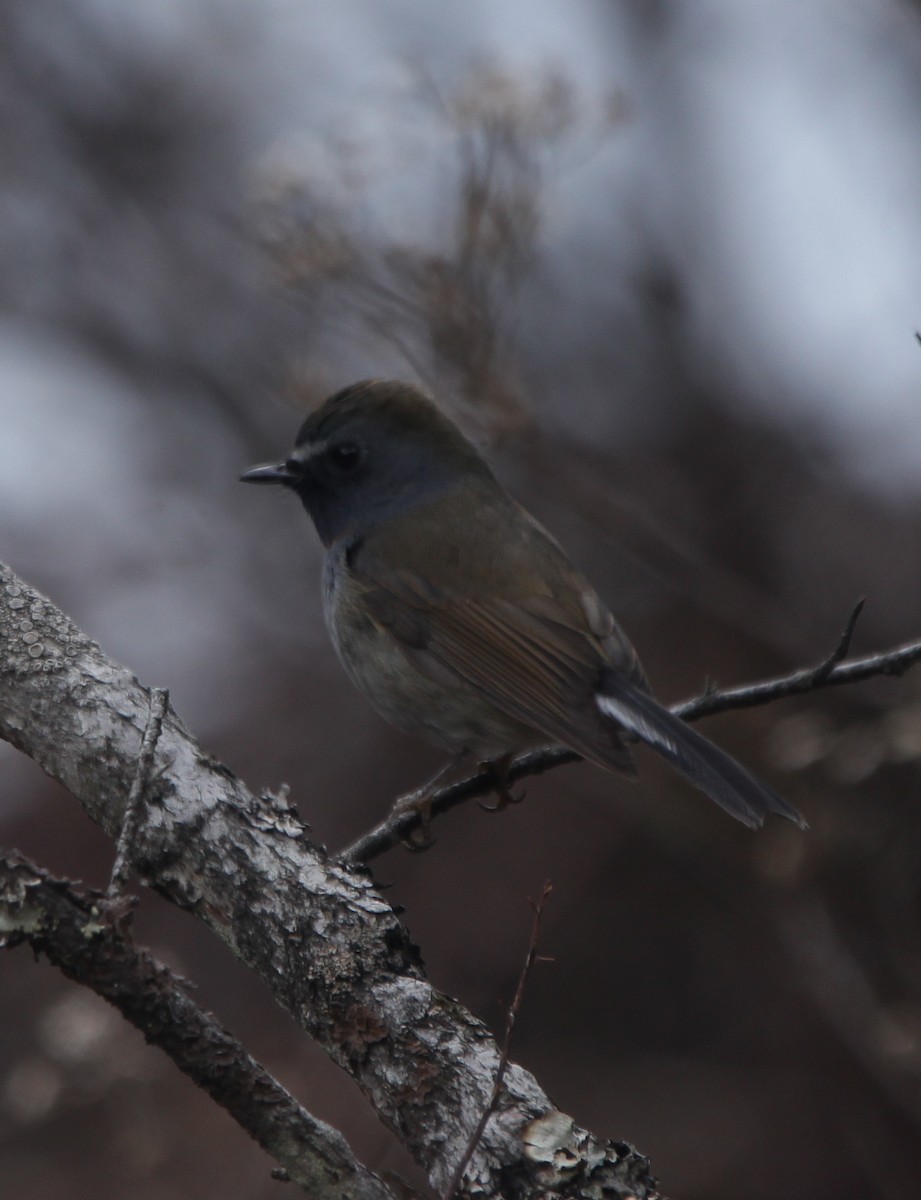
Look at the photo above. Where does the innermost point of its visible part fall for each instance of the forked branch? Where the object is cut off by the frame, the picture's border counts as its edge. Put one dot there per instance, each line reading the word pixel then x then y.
pixel 75 933
pixel 328 945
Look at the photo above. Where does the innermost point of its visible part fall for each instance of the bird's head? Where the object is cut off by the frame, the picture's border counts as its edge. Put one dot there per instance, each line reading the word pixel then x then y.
pixel 369 453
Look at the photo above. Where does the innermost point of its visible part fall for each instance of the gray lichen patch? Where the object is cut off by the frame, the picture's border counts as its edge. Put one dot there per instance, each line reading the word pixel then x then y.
pixel 35 637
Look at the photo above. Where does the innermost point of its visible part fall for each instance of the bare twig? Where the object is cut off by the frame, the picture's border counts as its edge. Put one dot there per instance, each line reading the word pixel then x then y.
pixel 889 662
pixel 506 1048
pixel 159 702
pixel 844 642
pixel 396 827
pixel 830 672
pixel 71 930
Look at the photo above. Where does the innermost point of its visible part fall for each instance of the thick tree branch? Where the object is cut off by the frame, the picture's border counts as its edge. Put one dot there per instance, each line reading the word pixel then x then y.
pixel 75 933
pixel 329 946
pixel 830 672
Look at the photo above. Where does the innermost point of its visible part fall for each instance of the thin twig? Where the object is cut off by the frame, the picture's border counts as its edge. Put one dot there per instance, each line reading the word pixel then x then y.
pixel 844 642
pixel 159 701
pixel 506 1047
pixel 830 672
pixel 891 662
pixel 396 827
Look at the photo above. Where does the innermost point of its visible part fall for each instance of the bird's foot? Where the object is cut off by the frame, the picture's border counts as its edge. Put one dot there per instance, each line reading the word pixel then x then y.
pixel 498 768
pixel 416 805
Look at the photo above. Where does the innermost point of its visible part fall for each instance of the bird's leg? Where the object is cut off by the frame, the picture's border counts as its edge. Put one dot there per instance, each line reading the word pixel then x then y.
pixel 498 768
pixel 418 802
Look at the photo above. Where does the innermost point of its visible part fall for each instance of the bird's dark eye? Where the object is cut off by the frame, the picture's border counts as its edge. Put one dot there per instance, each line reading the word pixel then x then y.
pixel 344 456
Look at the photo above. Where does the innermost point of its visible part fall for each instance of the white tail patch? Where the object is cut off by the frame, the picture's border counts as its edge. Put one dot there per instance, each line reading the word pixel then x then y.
pixel 635 722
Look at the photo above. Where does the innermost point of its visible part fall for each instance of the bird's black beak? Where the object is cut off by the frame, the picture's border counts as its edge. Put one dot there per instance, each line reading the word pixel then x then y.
pixel 285 473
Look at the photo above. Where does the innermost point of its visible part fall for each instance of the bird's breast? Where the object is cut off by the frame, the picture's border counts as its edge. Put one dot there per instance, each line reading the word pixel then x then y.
pixel 433 704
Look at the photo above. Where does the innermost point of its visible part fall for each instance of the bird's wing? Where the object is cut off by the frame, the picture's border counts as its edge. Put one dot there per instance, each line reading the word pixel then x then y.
pixel 536 646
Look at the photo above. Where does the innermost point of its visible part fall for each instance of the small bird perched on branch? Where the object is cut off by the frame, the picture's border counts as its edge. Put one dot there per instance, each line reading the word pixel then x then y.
pixel 460 617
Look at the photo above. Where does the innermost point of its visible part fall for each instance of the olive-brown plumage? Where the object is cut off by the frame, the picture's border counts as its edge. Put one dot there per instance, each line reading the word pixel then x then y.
pixel 459 616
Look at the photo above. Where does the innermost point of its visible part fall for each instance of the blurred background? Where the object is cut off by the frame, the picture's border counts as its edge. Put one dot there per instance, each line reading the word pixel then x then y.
pixel 664 262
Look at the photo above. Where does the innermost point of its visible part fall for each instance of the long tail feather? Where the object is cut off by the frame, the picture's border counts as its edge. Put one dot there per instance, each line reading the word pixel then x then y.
pixel 706 766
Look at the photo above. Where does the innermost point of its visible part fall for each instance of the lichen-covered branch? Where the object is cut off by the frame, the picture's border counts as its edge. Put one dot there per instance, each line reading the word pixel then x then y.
pixel 78 934
pixel 328 945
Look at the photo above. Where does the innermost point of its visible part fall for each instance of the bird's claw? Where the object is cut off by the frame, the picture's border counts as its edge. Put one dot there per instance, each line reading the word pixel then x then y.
pixel 419 839
pixel 504 797
pixel 417 804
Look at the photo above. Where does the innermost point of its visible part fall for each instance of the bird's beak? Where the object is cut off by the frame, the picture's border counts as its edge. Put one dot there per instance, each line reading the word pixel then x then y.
pixel 283 472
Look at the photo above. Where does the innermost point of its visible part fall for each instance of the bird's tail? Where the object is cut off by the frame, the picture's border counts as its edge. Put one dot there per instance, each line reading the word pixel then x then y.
pixel 712 770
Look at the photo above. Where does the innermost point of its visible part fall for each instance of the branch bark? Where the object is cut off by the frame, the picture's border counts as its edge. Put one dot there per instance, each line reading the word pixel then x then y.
pixel 77 934
pixel 328 945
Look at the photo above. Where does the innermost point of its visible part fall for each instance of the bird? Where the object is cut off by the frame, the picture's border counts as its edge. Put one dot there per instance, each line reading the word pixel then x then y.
pixel 461 618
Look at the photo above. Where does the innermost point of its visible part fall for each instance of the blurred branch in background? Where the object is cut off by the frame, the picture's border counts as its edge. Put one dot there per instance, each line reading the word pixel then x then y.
pixel 125 238
pixel 883 1039
pixel 448 300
